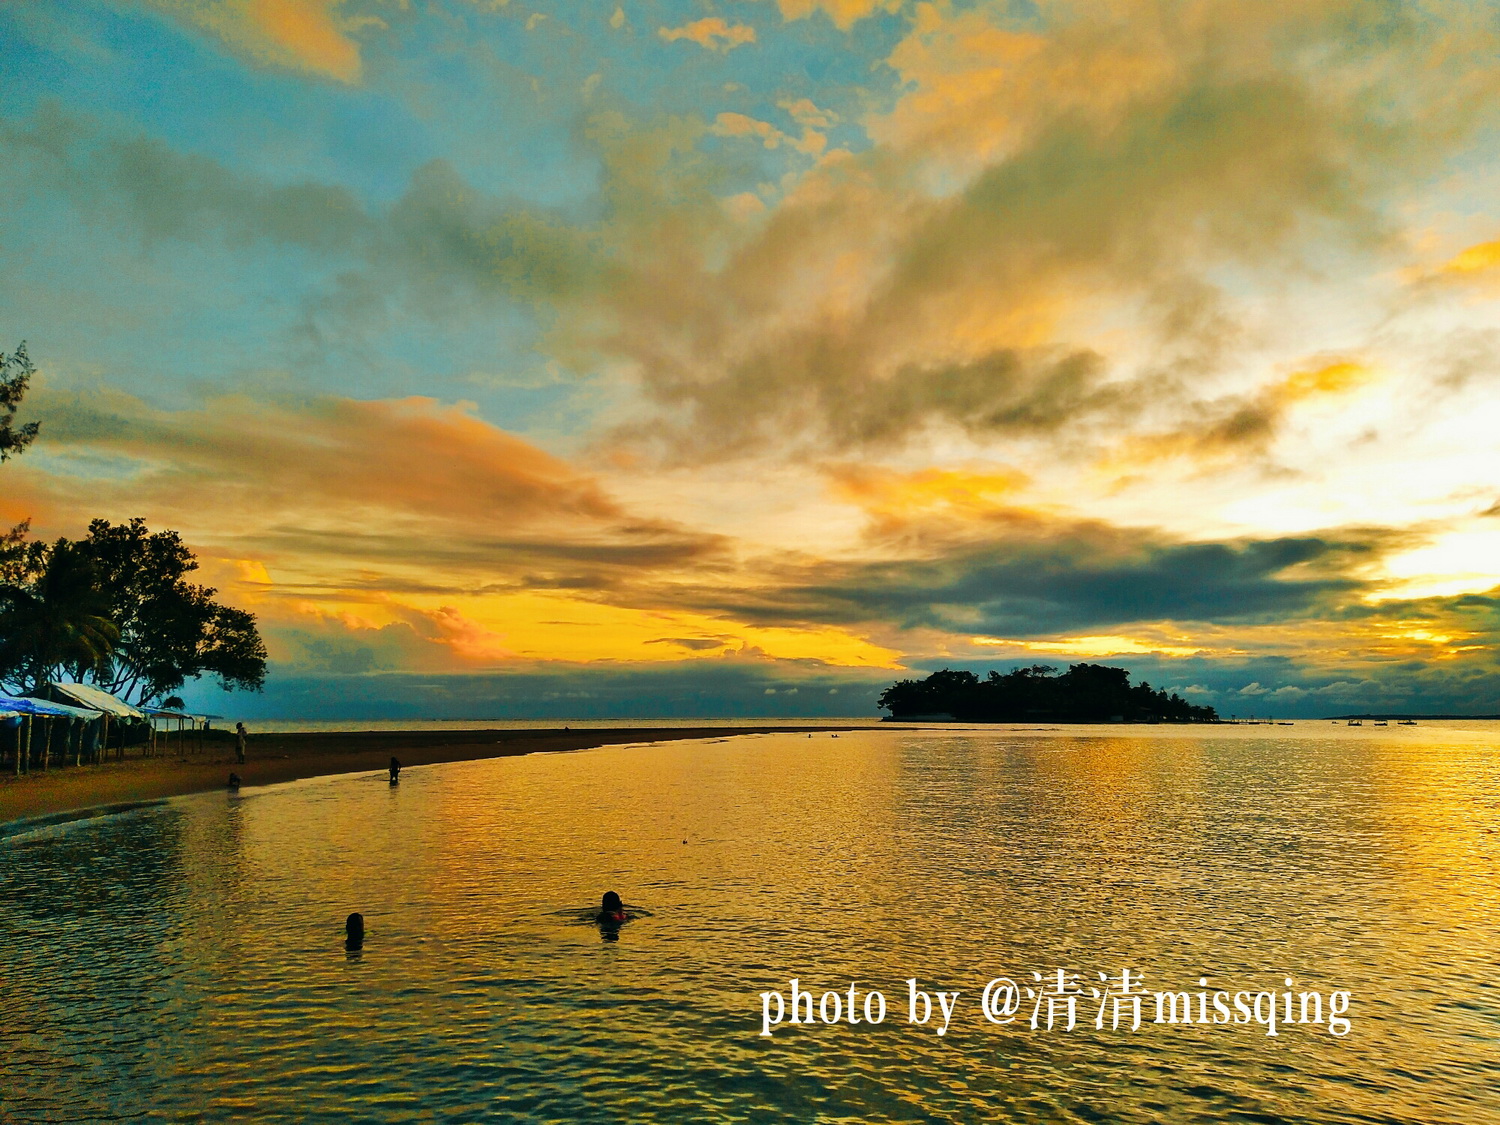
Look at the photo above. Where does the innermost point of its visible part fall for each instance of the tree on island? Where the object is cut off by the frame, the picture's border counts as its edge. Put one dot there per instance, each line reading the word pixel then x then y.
pixel 1085 693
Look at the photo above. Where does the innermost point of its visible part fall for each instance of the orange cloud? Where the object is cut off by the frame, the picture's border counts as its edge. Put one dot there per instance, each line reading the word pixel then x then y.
pixel 843 13
pixel 387 482
pixel 1096 646
pixel 738 125
pixel 712 33
pixel 893 494
pixel 307 30
pixel 1225 429
pixel 1475 260
pixel 1337 378
pixel 308 35
pixel 412 530
pixel 805 113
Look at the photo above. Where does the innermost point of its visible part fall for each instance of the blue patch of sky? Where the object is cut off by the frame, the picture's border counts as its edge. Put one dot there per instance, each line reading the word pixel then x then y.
pixel 174 320
pixel 145 74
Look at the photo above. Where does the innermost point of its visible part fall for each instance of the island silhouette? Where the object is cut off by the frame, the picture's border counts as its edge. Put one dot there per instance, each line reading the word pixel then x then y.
pixel 1085 693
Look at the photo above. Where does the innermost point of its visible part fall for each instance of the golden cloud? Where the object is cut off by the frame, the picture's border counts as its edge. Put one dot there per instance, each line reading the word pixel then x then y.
pixel 1030 192
pixel 408 525
pixel 1480 259
pixel 712 33
pixel 308 35
pixel 843 13
pixel 1230 428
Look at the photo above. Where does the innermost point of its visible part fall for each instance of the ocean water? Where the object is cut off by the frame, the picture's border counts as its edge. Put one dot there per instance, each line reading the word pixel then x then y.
pixel 298 726
pixel 184 961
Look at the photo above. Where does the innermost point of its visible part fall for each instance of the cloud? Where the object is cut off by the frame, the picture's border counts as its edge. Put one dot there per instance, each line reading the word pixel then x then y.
pixel 410 487
pixel 712 33
pixel 738 125
pixel 843 13
pixel 158 193
pixel 1034 186
pixel 1483 258
pixel 950 281
pixel 696 644
pixel 442 251
pixel 805 113
pixel 1030 187
pixel 1237 425
pixel 333 515
pixel 1030 577
pixel 306 35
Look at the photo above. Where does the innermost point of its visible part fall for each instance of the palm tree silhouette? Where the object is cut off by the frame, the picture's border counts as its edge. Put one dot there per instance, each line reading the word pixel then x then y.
pixel 57 622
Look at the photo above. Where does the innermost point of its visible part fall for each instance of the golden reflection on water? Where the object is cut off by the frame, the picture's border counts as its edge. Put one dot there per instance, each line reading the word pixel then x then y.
pixel 188 959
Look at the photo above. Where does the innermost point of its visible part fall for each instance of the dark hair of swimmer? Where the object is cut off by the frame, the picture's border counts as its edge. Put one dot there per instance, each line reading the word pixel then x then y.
pixel 234 781
pixel 612 909
pixel 354 929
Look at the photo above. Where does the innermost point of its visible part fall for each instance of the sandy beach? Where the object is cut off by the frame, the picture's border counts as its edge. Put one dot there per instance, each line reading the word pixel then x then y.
pixel 273 758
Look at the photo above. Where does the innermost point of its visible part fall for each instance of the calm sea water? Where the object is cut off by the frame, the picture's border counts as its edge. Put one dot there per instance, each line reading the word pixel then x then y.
pixel 288 726
pixel 184 962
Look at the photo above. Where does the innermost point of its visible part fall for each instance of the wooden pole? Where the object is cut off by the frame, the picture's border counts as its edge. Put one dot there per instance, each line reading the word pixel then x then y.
pixel 28 743
pixel 47 747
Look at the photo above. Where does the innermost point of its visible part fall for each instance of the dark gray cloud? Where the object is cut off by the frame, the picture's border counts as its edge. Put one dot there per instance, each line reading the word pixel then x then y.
pixel 444 248
pixel 1079 579
pixel 818 389
pixel 144 185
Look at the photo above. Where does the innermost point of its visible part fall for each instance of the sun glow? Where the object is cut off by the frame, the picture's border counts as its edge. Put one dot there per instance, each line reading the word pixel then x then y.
pixel 1092 646
pixel 1460 562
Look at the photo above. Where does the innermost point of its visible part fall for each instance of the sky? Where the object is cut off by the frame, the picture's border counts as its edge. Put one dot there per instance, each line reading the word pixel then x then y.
pixel 678 357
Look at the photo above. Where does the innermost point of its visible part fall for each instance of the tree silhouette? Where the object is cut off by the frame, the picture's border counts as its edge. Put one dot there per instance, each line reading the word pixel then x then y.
pixel 161 629
pixel 56 624
pixel 15 376
pixel 170 629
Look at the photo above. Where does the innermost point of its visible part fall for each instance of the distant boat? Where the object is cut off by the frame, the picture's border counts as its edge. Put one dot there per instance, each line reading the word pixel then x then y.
pixel 1381 723
pixel 1356 723
pixel 1407 723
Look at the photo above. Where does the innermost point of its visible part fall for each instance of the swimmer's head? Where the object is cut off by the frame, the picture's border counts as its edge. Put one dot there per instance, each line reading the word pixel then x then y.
pixel 612 903
pixel 354 926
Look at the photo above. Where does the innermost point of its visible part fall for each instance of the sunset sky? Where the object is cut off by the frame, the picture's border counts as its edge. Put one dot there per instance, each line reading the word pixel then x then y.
pixel 514 358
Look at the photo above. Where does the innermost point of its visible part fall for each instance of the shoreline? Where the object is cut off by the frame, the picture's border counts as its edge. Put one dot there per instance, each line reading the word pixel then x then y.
pixel 275 758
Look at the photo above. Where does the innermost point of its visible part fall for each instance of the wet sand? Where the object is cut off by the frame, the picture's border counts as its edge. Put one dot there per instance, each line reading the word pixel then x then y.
pixel 271 758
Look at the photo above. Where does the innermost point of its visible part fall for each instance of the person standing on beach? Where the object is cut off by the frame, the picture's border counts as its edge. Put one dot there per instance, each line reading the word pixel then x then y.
pixel 239 743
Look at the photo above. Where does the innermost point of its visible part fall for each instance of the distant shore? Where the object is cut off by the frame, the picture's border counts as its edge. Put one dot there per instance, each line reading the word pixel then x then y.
pixel 272 758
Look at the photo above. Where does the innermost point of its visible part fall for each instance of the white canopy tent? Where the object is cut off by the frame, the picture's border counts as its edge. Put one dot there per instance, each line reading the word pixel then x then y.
pixel 93 698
